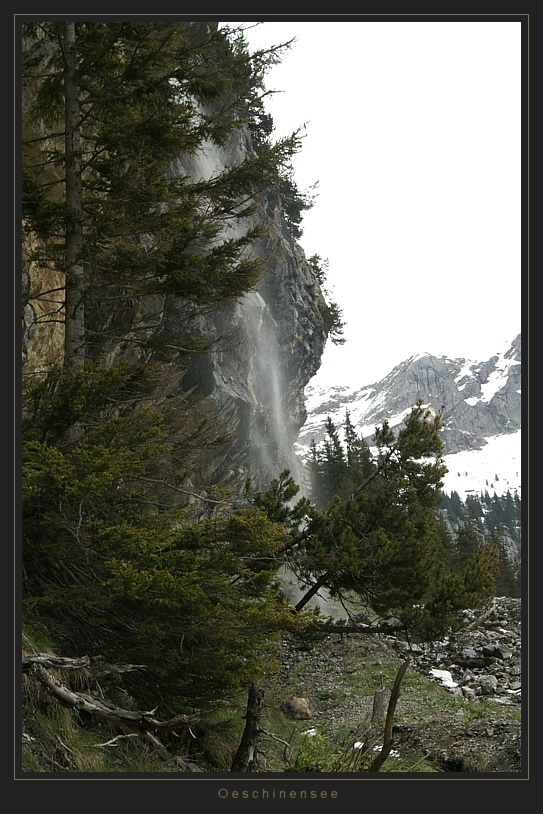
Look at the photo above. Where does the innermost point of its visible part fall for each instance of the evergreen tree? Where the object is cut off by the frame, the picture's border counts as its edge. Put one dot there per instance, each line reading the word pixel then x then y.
pixel 313 467
pixel 340 465
pixel 360 463
pixel 481 527
pixel 334 460
pixel 278 502
pixel 469 538
pixel 332 313
pixel 386 542
pixel 111 567
pixel 453 506
pixel 473 506
pixel 110 561
pixel 480 573
pixel 508 578
pixel 109 109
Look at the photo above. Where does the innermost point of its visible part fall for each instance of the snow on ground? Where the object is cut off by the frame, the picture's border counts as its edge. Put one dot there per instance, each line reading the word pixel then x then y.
pixel 496 468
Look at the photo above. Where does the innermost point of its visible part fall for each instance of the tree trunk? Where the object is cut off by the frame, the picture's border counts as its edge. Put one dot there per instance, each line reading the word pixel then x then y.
pixel 74 339
pixel 312 591
pixel 245 759
pixel 380 758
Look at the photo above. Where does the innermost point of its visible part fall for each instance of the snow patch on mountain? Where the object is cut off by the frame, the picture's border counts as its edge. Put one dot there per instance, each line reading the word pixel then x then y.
pixel 496 468
pixel 480 403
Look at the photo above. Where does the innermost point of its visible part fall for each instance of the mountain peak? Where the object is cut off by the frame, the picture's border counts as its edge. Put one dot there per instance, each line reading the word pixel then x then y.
pixel 481 402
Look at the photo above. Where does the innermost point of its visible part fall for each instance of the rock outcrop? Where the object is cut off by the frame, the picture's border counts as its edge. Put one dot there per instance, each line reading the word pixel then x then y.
pixel 264 348
pixel 482 660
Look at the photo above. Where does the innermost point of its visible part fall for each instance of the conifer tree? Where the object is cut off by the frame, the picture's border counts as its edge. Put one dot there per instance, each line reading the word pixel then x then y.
pixel 339 465
pixel 109 559
pixel 469 536
pixel 111 567
pixel 386 544
pixel 110 107
pixel 508 577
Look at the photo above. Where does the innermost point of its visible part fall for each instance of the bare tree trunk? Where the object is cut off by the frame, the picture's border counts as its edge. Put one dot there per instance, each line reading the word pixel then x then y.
pixel 378 761
pixel 246 759
pixel 373 731
pixel 74 340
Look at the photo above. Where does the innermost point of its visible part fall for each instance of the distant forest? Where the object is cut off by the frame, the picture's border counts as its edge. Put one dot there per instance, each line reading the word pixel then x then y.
pixel 344 459
pixel 496 513
pixel 496 517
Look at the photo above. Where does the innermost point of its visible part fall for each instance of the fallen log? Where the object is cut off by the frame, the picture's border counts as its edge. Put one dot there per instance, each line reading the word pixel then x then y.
pixel 95 666
pixel 139 721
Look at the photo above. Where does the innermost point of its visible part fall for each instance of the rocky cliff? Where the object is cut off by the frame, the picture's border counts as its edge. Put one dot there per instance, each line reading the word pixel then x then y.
pixel 264 348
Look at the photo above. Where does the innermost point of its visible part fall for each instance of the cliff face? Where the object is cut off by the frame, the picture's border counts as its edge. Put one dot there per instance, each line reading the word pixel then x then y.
pixel 264 348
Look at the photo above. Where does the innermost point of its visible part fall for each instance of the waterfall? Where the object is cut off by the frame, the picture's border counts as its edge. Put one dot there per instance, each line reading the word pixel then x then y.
pixel 271 440
pixel 250 367
pixel 271 437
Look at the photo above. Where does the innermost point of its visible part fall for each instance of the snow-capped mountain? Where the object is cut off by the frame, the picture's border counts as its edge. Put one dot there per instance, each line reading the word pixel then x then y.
pixel 482 414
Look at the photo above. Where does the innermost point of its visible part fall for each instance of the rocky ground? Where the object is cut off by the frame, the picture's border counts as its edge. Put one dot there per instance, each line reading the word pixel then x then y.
pixel 459 707
pixel 479 667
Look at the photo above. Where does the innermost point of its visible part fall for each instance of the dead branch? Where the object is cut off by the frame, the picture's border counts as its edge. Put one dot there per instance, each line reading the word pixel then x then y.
pixel 157 744
pixel 483 616
pixel 55 662
pixel 84 702
pixel 275 737
pixel 115 741
pixel 96 667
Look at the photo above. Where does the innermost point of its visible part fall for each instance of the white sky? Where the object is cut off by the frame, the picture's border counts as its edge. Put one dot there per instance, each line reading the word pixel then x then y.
pixel 413 133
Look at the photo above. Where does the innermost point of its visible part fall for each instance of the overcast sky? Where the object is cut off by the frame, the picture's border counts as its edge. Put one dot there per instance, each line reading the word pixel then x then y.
pixel 413 134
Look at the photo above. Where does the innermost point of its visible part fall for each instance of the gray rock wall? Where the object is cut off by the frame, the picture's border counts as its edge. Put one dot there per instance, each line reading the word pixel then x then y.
pixel 264 348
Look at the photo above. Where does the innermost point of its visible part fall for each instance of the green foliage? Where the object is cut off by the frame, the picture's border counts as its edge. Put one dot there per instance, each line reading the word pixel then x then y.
pixel 508 577
pixel 206 618
pixel 381 537
pixel 332 314
pixel 468 540
pixel 111 566
pixel 485 521
pixel 339 466
pixel 111 561
pixel 316 753
pixel 149 94
pixel 56 402
pixel 480 574
pixel 295 203
pixel 277 502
